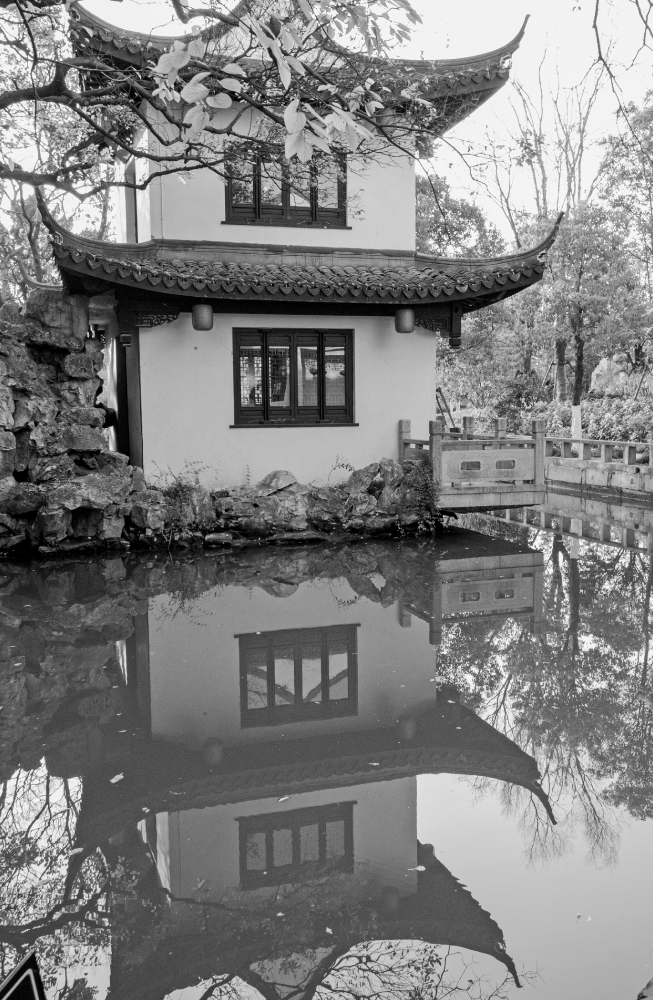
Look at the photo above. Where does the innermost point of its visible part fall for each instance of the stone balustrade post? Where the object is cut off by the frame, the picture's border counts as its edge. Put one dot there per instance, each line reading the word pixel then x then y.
pixel 537 429
pixel 630 454
pixel 403 434
pixel 500 427
pixel 436 431
pixel 468 427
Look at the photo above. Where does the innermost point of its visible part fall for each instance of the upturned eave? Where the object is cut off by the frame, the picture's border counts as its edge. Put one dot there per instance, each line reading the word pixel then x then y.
pixel 382 280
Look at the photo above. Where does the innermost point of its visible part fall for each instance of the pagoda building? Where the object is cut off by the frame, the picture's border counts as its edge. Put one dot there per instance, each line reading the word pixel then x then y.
pixel 262 324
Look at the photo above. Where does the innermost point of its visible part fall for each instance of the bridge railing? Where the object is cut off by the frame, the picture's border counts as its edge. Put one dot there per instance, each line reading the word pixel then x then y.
pixel 464 459
pixel 592 450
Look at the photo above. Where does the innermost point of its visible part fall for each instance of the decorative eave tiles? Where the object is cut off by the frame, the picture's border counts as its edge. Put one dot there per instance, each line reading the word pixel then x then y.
pixel 222 270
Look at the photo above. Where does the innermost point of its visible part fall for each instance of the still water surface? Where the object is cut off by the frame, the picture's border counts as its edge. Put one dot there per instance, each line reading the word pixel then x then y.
pixel 419 769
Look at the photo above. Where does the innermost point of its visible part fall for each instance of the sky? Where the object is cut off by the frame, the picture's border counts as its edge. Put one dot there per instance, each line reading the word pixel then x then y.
pixel 558 31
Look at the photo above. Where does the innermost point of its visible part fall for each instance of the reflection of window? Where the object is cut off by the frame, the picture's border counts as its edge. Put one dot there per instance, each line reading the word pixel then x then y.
pixel 293 376
pixel 298 675
pixel 273 193
pixel 290 846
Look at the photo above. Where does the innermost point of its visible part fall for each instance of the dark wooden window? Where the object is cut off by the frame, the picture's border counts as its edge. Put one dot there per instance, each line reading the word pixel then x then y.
pixel 291 846
pixel 298 675
pixel 276 193
pixel 293 376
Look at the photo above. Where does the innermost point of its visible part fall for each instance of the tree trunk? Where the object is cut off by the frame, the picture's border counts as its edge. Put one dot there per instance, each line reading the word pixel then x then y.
pixel 527 359
pixel 579 369
pixel 561 370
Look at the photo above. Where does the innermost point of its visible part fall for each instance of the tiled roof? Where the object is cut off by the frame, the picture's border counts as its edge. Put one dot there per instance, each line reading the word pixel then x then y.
pixel 229 271
pixel 455 86
pixel 91 32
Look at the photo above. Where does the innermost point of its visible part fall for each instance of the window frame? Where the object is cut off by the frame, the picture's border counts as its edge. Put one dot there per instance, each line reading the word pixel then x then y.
pixel 265 415
pixel 259 214
pixel 300 711
pixel 293 820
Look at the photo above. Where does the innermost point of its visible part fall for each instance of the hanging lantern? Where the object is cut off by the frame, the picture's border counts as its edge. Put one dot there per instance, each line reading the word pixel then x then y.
pixel 202 316
pixel 405 320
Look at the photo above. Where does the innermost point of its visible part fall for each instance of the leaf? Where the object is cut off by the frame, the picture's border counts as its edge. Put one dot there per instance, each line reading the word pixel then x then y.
pixel 194 90
pixel 234 69
pixel 219 101
pixel 306 9
pixel 235 86
pixel 284 70
pixel 296 65
pixel 296 145
pixel 320 141
pixel 294 119
pixel 196 48
pixel 294 33
pixel 196 119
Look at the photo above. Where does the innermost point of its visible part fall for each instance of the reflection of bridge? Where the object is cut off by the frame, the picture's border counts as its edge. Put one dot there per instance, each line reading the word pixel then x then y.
pixel 481 587
pixel 620 525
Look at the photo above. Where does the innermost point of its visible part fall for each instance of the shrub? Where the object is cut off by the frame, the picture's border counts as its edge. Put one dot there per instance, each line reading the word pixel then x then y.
pixel 189 504
pixel 605 418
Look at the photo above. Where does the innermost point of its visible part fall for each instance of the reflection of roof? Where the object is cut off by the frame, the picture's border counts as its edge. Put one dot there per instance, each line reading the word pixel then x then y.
pixel 456 86
pixel 441 912
pixel 446 738
pixel 223 271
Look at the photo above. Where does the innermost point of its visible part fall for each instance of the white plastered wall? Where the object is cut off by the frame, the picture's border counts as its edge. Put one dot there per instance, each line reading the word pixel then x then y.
pixel 187 400
pixel 202 844
pixel 195 671
pixel 380 207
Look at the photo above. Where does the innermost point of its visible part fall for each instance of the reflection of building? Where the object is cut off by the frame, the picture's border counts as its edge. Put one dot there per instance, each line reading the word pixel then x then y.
pixel 287 734
pixel 277 821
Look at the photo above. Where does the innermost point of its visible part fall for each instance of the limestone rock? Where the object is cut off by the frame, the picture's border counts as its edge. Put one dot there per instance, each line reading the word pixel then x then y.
pixel 277 480
pixel 20 499
pixel 218 538
pixel 77 393
pixel 111 526
pixel 54 523
pixel 62 316
pixel 34 409
pixel 82 366
pixel 138 480
pixel 83 416
pixel 6 408
pixel 45 469
pixel 82 438
pixel 255 527
pixel 11 541
pixel 361 479
pixel 85 522
pixel 148 510
pixel 7 453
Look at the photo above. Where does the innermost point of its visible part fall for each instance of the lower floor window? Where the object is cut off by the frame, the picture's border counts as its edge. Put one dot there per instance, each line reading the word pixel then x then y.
pixel 290 846
pixel 293 376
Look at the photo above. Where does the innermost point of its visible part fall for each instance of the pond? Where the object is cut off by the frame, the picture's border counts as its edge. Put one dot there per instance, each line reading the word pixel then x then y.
pixel 408 769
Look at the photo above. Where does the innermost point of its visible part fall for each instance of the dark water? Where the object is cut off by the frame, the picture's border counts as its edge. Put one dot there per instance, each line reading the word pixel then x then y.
pixel 414 770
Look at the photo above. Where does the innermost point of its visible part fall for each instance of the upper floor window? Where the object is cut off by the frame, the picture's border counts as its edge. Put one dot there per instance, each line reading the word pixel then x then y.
pixel 293 376
pixel 297 675
pixel 273 193
pixel 290 846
